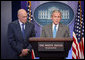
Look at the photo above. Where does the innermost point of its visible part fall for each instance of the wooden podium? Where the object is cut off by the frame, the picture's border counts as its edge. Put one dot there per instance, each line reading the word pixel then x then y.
pixel 51 48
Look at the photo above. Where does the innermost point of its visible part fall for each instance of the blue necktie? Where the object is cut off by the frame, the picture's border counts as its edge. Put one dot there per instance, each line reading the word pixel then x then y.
pixel 54 32
pixel 23 31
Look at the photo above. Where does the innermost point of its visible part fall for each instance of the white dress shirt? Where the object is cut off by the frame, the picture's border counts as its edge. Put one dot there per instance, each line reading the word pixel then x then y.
pixel 21 25
pixel 56 27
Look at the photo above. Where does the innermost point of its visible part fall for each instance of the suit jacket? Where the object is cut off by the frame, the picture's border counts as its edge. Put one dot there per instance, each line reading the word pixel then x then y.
pixel 15 37
pixel 63 31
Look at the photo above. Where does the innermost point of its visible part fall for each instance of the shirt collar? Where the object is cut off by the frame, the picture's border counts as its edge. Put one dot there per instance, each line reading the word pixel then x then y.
pixel 20 22
pixel 54 25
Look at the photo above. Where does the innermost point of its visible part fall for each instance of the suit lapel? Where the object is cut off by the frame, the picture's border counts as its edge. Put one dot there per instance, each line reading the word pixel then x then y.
pixel 57 33
pixel 59 30
pixel 50 30
pixel 27 27
pixel 19 32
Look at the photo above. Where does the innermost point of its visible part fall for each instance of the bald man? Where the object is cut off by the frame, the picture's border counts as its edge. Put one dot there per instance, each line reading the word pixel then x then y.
pixel 19 32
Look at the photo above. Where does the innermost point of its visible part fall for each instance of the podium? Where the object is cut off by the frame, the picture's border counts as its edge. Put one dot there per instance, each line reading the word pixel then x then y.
pixel 51 48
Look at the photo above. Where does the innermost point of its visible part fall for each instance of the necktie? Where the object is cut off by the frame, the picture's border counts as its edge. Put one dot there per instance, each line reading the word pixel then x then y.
pixel 54 32
pixel 23 31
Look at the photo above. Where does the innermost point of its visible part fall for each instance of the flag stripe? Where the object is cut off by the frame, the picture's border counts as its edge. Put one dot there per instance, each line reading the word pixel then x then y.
pixel 73 55
pixel 33 55
pixel 75 47
pixel 83 45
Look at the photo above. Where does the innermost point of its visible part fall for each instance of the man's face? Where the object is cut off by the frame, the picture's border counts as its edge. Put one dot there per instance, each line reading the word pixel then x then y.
pixel 23 16
pixel 56 17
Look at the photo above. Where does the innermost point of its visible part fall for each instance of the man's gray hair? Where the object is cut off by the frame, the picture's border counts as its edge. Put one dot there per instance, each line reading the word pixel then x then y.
pixel 18 12
pixel 56 11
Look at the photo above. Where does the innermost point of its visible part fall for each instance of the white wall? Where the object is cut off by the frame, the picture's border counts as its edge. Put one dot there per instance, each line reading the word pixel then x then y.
pixel 6 17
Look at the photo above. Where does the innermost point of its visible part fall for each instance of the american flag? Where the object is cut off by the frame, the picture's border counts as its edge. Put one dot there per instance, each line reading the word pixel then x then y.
pixel 30 17
pixel 78 35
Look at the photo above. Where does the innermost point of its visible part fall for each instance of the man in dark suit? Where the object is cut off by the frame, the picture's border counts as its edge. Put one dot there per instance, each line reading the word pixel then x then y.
pixel 57 30
pixel 19 33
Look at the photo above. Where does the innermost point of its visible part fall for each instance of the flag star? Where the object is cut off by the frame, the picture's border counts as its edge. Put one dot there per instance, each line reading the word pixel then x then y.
pixel 78 38
pixel 28 9
pixel 79 5
pixel 79 35
pixel 82 33
pixel 83 30
pixel 78 13
pixel 82 15
pixel 78 9
pixel 79 31
pixel 77 27
pixel 78 19
pixel 31 19
pixel 83 26
pixel 77 23
pixel 78 16
pixel 27 13
pixel 82 18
